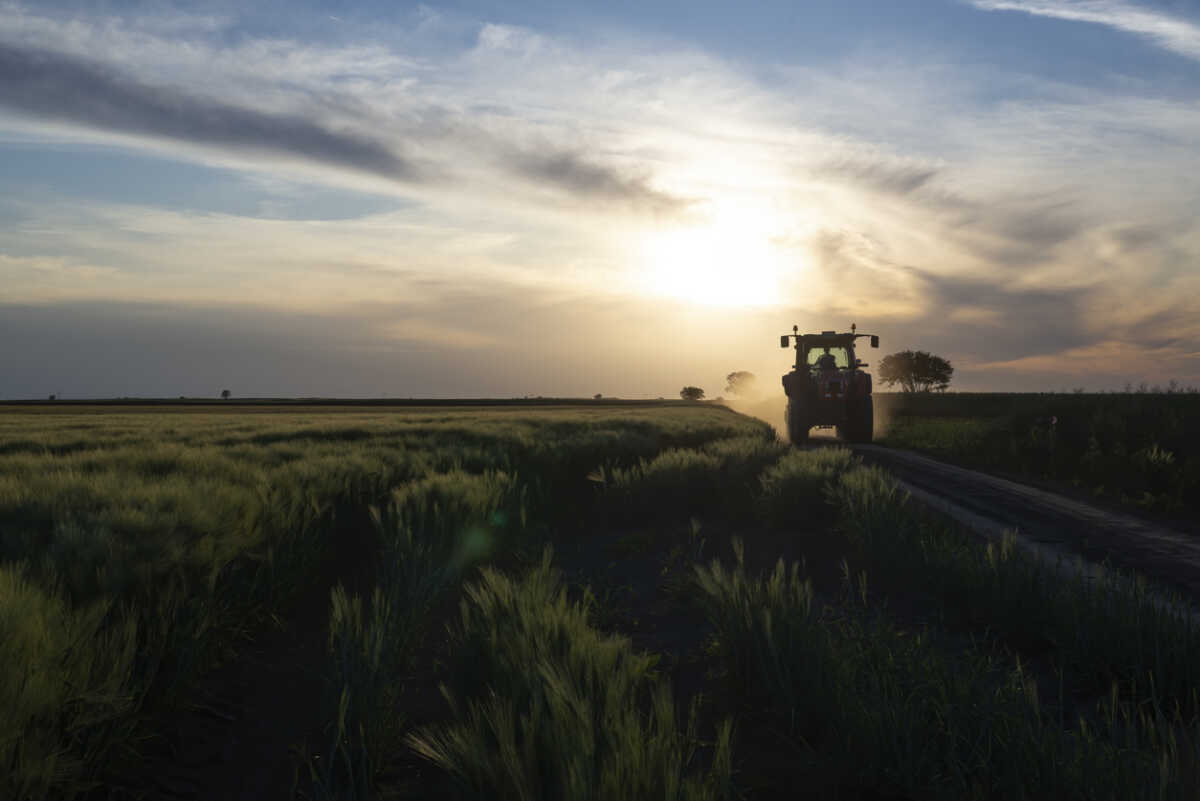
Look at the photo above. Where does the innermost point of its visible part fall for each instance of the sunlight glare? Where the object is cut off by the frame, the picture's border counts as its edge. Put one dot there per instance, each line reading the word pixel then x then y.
pixel 729 261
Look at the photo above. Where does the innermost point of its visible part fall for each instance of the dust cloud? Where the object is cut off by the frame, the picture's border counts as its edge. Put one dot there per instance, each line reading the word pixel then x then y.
pixel 771 409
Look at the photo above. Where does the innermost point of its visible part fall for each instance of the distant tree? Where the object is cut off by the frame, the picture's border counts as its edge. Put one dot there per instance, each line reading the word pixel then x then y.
pixel 740 383
pixel 225 394
pixel 916 371
pixel 597 396
pixel 691 393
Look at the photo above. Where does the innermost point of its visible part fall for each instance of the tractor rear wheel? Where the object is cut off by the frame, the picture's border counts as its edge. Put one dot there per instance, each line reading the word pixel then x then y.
pixel 797 422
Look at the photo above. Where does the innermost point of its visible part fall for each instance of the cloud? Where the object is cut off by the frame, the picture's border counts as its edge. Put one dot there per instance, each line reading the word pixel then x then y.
pixel 1008 318
pixel 53 86
pixel 578 176
pixel 987 216
pixel 1008 325
pixel 314 104
pixel 83 349
pixel 891 176
pixel 1107 364
pixel 468 343
pixel 449 337
pixel 1014 230
pixel 1169 32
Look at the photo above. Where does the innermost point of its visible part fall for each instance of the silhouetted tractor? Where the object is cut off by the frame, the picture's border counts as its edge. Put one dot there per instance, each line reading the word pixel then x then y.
pixel 827 387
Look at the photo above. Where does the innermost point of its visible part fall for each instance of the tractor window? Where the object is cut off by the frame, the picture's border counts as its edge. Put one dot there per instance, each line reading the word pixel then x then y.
pixel 841 357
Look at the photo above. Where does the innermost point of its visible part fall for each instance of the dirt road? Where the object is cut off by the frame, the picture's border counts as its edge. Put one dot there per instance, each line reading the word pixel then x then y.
pixel 1047 523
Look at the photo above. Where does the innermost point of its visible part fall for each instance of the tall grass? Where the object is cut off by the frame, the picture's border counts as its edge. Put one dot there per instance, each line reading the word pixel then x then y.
pixel 896 713
pixel 792 489
pixel 186 528
pixel 547 707
pixel 65 694
pixel 1135 447
pixel 430 532
pixel 718 479
pixel 1103 629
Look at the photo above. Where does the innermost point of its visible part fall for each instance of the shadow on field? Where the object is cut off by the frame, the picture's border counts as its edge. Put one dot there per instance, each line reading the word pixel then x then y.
pixel 250 718
pixel 641 578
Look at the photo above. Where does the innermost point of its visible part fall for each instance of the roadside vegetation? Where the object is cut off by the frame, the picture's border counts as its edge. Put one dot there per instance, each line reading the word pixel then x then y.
pixel 564 603
pixel 1136 449
pixel 1005 677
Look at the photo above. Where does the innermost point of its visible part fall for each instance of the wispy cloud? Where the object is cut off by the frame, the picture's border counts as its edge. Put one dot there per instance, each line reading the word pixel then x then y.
pixel 1164 30
pixel 574 174
pixel 883 175
pixel 57 87
pixel 497 108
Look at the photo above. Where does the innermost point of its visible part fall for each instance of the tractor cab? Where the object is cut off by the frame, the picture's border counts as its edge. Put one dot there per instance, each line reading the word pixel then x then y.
pixel 827 386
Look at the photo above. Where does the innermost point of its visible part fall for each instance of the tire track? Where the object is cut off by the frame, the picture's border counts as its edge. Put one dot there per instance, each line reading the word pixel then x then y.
pixel 1048 524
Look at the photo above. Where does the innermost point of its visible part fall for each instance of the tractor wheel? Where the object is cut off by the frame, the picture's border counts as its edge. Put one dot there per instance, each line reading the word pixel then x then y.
pixel 861 425
pixel 797 422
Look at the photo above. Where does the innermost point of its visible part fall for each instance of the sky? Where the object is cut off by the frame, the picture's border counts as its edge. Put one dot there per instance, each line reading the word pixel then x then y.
pixel 566 198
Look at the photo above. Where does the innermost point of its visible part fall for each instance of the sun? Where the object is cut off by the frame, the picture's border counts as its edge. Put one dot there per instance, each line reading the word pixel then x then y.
pixel 729 261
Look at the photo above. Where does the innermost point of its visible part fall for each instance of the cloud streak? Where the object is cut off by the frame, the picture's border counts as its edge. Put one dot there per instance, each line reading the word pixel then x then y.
pixel 1169 32
pixel 898 178
pixel 53 86
pixel 576 175
pixel 246 113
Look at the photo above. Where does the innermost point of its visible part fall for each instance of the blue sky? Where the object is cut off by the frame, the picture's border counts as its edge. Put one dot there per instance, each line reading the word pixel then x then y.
pixel 484 198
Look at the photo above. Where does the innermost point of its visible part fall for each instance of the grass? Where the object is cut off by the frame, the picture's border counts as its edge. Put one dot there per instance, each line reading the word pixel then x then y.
pixel 65 694
pixel 136 548
pixel 1104 631
pixel 1136 449
pixel 901 714
pixel 430 533
pixel 718 479
pixel 922 712
pixel 546 707
pixel 792 489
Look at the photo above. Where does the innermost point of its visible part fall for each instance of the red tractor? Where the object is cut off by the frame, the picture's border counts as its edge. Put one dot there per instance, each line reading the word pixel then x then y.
pixel 827 388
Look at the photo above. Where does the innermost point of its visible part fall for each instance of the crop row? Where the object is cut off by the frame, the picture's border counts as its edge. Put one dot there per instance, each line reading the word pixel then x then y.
pixel 533 687
pixel 1062 685
pixel 544 705
pixel 134 549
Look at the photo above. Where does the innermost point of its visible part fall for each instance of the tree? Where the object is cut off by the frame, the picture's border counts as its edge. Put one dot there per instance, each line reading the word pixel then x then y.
pixel 691 393
pixel 916 371
pixel 741 383
pixel 225 394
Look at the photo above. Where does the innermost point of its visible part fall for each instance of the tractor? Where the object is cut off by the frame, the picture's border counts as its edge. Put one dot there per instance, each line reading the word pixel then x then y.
pixel 827 387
